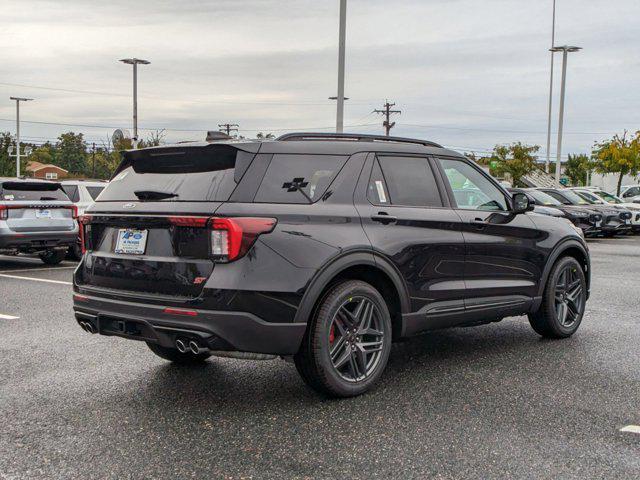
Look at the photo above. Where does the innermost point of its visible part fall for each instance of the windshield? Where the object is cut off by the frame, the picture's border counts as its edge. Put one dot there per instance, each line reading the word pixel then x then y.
pixel 30 191
pixel 195 174
pixel 608 197
pixel 590 197
pixel 572 198
pixel 542 198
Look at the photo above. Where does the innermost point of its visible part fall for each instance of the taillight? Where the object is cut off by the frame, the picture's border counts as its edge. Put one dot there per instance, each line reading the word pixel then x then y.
pixel 4 212
pixel 231 238
pixel 84 222
pixel 74 210
pixel 189 221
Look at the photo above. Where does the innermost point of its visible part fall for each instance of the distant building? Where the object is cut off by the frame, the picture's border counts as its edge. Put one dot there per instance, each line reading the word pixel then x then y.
pixel 46 171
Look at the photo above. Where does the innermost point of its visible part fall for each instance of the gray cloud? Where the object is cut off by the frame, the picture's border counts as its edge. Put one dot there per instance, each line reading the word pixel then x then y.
pixel 466 73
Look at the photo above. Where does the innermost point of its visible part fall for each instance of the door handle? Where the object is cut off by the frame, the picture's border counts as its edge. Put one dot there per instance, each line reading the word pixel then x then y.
pixel 479 223
pixel 384 218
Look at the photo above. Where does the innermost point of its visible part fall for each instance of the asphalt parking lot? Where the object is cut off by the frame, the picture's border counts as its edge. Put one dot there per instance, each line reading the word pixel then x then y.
pixel 489 402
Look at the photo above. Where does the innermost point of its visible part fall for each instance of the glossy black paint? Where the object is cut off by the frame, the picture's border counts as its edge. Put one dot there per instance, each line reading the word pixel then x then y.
pixel 437 267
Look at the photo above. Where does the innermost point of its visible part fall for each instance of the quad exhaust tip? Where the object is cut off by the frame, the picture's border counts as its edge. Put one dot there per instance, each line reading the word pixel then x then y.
pixel 88 327
pixel 197 349
pixel 181 346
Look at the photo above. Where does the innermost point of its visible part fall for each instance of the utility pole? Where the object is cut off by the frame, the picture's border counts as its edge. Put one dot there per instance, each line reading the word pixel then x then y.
pixel 342 34
pixel 18 100
pixel 93 157
pixel 228 127
pixel 135 62
pixel 387 112
pixel 553 42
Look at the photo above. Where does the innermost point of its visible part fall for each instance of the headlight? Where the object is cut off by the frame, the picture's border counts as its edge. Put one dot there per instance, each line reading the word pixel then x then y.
pixel 580 214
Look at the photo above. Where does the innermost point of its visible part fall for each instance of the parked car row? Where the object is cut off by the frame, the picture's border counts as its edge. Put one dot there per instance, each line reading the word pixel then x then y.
pixel 39 217
pixel 595 211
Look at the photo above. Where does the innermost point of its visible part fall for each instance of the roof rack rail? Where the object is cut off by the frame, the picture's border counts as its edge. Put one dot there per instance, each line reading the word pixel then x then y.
pixel 354 137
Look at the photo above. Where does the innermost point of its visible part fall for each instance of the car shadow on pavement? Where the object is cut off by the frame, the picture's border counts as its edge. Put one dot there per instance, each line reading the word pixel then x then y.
pixel 419 363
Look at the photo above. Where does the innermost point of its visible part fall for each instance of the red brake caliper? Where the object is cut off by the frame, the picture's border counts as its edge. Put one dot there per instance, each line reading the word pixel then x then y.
pixel 332 334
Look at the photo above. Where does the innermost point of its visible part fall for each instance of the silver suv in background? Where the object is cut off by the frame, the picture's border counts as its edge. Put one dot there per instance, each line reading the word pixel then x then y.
pixel 36 217
pixel 82 193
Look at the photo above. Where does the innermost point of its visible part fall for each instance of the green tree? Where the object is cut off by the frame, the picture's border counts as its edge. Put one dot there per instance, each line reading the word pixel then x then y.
pixel 44 154
pixel 516 159
pixel 7 163
pixel 577 169
pixel 620 156
pixel 72 153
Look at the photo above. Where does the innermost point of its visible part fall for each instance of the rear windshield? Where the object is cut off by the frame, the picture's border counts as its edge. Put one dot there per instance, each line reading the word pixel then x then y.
pixel 30 191
pixel 194 174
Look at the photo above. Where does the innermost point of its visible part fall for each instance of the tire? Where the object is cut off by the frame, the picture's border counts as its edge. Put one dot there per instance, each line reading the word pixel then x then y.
pixel 173 355
pixel 53 257
pixel 354 321
pixel 75 252
pixel 552 320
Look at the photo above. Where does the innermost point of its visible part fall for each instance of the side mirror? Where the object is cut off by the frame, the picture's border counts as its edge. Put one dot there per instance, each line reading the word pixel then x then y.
pixel 521 203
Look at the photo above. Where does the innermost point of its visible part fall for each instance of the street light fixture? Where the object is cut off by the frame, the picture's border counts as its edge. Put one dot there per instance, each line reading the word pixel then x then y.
pixel 135 62
pixel 17 155
pixel 565 49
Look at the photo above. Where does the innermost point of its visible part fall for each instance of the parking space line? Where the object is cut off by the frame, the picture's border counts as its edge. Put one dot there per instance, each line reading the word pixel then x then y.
pixel 631 428
pixel 46 280
pixel 36 269
pixel 8 317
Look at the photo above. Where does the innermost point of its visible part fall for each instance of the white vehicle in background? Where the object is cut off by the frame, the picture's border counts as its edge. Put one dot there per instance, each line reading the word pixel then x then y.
pixel 630 193
pixel 604 198
pixel 82 193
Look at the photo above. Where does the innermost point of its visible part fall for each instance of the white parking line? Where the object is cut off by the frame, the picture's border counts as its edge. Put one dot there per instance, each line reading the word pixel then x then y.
pixel 631 428
pixel 8 317
pixel 36 269
pixel 46 280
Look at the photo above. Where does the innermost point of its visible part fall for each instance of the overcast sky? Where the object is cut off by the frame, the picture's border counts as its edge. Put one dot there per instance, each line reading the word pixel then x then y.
pixel 466 73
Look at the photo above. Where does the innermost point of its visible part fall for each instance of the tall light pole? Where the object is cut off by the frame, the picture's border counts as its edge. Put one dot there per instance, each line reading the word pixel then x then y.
pixel 553 42
pixel 18 100
pixel 341 60
pixel 565 49
pixel 135 62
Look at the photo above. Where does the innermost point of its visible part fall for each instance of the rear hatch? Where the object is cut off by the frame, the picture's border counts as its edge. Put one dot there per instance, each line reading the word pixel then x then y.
pixel 149 231
pixel 35 207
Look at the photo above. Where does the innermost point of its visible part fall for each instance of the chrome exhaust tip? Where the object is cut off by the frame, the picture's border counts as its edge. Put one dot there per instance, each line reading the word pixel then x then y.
pixel 181 346
pixel 197 349
pixel 88 326
pixel 84 326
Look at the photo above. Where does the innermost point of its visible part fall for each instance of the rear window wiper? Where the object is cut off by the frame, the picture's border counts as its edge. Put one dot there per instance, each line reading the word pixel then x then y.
pixel 48 198
pixel 153 195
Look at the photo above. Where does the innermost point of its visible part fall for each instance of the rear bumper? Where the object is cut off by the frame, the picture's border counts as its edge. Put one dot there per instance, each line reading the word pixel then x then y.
pixel 30 242
pixel 219 330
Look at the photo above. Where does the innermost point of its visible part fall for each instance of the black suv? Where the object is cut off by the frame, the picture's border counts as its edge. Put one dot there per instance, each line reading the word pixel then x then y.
pixel 321 248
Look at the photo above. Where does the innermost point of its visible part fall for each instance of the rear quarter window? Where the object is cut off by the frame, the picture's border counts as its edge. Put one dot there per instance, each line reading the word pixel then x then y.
pixel 72 192
pixel 313 173
pixel 94 191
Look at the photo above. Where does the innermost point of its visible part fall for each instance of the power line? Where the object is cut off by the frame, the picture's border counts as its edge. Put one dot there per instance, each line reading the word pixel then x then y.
pixel 387 112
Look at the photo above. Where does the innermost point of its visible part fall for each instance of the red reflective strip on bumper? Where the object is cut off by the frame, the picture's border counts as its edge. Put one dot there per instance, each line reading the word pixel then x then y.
pixel 80 298
pixel 179 311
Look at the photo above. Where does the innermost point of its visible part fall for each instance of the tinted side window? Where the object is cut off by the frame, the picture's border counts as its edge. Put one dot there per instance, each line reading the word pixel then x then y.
pixel 72 192
pixel 313 173
pixel 471 189
pixel 94 191
pixel 409 180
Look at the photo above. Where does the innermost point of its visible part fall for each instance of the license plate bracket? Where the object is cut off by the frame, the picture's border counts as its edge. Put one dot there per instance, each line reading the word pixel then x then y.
pixel 131 241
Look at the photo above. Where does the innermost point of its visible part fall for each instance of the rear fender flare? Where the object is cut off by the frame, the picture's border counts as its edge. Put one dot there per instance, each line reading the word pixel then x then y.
pixel 337 265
